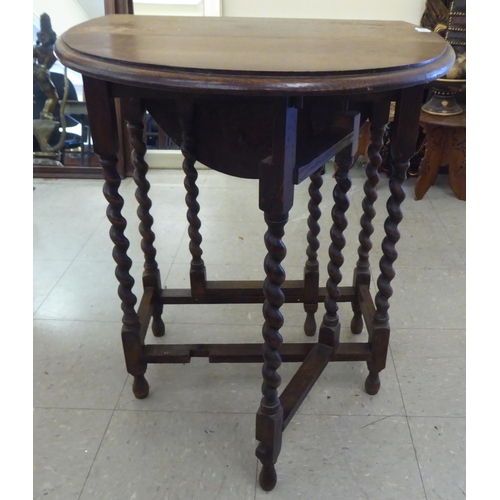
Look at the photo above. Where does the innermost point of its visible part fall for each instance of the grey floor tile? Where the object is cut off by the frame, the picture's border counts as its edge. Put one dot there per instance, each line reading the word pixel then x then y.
pixel 87 291
pixel 46 274
pixel 65 443
pixel 77 364
pixel 241 243
pixel 347 458
pixel 415 343
pixel 168 235
pixel 421 246
pixel 62 237
pixel 440 447
pixel 199 387
pixel 452 214
pixel 428 298
pixel 340 391
pixel 431 371
pixel 225 203
pixel 65 197
pixel 159 455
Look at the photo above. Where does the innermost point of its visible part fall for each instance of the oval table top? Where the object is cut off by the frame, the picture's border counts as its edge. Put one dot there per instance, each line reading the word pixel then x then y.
pixel 255 55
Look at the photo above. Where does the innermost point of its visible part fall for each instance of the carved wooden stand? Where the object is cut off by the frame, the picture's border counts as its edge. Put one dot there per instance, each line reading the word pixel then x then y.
pixel 444 146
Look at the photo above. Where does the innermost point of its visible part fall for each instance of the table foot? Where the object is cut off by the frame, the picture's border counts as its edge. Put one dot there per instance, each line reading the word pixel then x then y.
pixel 158 326
pixel 357 323
pixel 268 477
pixel 372 383
pixel 140 387
pixel 310 325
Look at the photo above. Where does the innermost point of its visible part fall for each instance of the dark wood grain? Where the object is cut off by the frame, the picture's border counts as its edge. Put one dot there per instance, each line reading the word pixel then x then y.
pixel 258 44
pixel 322 56
pixel 248 353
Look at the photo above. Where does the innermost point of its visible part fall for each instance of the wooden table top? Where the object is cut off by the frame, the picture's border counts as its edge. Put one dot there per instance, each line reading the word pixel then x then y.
pixel 277 55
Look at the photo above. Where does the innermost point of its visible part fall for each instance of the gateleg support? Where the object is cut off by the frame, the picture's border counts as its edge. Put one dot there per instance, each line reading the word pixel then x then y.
pixel 102 116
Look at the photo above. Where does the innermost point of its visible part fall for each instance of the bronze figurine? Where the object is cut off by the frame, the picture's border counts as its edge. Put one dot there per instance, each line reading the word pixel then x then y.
pixel 43 60
pixel 44 127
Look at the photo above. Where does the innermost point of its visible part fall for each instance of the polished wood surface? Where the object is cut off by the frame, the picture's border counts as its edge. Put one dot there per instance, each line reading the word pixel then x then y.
pixel 260 44
pixel 244 53
pixel 272 100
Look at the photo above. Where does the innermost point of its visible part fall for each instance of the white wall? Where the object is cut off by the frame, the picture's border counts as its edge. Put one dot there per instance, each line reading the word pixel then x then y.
pixel 151 9
pixel 399 10
pixel 67 13
pixel 63 13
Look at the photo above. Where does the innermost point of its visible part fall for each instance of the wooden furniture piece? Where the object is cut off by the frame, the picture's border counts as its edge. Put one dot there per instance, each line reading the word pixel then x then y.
pixel 282 96
pixel 444 147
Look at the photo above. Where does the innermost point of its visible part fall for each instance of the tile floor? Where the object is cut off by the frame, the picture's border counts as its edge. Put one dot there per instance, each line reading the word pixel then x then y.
pixel 193 437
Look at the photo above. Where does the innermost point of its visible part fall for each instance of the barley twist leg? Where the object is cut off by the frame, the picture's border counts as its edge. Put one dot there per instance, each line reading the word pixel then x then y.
pixel 311 271
pixel 330 327
pixel 130 319
pixel 378 122
pixel 270 414
pixel 151 274
pixel 197 268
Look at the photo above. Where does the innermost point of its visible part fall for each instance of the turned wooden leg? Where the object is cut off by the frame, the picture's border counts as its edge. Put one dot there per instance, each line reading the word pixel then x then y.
pixel 329 331
pixel 104 129
pixel 402 148
pixel 197 272
pixel 311 270
pixel 269 423
pixel 378 121
pixel 275 200
pixel 134 113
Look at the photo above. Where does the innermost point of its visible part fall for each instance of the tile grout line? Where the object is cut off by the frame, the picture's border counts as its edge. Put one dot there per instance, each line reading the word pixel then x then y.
pixel 71 262
pixel 445 226
pixel 102 439
pixel 408 424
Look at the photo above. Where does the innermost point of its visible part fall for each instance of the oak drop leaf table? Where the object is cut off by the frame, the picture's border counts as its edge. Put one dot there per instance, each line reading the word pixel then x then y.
pixel 273 100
